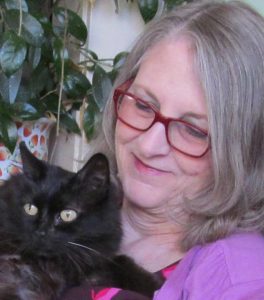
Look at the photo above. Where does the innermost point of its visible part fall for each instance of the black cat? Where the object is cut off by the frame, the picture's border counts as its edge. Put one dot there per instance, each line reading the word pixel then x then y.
pixel 58 229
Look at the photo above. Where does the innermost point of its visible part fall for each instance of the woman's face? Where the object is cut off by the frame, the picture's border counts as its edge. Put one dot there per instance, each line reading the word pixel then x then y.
pixel 151 171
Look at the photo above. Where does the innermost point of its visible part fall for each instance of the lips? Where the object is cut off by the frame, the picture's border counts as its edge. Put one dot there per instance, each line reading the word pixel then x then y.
pixel 147 169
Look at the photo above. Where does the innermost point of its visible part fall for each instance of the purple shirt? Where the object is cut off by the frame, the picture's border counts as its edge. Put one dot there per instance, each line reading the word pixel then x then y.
pixel 228 269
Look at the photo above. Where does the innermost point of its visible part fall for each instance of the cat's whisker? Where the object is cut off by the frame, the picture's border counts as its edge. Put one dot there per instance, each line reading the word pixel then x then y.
pixel 92 250
pixel 74 261
pixel 80 259
pixel 85 247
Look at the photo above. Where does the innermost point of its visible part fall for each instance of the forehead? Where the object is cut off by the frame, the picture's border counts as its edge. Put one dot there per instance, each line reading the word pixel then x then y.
pixel 168 72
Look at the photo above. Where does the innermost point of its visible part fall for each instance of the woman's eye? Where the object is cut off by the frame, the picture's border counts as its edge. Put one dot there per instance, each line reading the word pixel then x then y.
pixel 30 209
pixel 68 215
pixel 196 132
pixel 143 106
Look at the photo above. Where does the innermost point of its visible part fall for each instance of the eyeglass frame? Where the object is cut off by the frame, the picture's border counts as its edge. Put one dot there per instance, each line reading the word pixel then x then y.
pixel 158 117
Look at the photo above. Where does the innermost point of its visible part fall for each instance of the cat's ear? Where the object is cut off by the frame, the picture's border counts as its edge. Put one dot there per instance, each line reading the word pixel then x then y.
pixel 95 171
pixel 32 167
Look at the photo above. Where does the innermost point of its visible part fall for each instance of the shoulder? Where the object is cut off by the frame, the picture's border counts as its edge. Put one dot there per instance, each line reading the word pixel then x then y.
pixel 241 257
pixel 226 269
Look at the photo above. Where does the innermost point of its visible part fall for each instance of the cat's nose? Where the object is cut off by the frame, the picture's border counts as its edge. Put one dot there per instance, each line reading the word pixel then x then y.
pixel 41 232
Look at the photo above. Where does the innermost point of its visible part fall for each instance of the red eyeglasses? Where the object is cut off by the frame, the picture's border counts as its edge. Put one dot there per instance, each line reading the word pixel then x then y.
pixel 141 115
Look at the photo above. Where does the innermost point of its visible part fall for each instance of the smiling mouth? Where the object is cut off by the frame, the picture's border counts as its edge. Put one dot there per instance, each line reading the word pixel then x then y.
pixel 144 168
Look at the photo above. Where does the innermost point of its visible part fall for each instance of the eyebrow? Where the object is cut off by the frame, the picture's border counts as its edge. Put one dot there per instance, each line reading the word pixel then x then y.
pixel 195 116
pixel 140 89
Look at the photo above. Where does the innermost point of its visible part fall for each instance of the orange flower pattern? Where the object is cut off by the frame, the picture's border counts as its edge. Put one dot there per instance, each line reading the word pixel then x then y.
pixel 36 136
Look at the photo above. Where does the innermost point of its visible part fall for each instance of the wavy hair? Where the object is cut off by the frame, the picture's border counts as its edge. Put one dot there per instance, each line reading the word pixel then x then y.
pixel 228 42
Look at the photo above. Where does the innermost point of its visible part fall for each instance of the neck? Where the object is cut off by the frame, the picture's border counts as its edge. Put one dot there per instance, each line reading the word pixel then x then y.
pixel 145 230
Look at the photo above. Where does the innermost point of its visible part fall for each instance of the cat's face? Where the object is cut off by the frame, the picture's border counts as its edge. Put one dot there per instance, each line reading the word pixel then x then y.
pixel 49 212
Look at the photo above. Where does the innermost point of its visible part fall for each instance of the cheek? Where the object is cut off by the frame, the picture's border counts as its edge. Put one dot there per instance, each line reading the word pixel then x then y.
pixel 123 133
pixel 194 166
pixel 124 138
pixel 200 175
pixel 194 174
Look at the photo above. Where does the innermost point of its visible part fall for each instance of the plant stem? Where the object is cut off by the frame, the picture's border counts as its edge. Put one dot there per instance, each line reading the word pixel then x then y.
pixel 50 92
pixel 20 18
pixel 62 74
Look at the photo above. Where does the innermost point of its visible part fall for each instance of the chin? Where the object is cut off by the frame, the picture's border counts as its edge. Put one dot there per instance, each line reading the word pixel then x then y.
pixel 143 195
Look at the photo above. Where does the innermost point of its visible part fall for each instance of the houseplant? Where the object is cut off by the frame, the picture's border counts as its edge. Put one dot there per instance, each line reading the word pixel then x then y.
pixel 36 70
pixel 38 75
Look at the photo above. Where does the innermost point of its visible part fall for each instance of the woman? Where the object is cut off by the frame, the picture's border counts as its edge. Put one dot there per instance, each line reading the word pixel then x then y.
pixel 187 125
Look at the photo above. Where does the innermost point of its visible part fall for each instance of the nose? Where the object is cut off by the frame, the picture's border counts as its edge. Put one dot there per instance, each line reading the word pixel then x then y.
pixel 154 141
pixel 41 233
pixel 42 229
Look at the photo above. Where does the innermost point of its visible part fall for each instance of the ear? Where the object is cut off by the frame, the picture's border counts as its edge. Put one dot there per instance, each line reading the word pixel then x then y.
pixel 95 171
pixel 32 167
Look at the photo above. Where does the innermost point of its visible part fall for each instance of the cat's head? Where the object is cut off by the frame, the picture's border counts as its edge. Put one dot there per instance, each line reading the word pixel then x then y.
pixel 50 212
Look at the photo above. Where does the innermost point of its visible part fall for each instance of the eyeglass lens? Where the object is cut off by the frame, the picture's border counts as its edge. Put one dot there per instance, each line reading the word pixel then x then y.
pixel 181 135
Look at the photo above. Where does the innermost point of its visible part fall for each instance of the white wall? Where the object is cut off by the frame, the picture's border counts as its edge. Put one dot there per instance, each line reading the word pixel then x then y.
pixel 109 34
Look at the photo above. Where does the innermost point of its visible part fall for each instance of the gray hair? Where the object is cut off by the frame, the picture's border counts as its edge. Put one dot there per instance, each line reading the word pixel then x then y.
pixel 228 39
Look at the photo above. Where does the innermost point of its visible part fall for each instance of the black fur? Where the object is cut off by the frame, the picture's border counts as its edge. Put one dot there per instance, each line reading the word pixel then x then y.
pixel 40 254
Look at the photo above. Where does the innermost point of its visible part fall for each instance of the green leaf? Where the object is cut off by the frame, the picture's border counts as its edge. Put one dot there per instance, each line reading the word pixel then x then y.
pixel 45 23
pixel 75 84
pixel 8 129
pixel 90 118
pixel 23 93
pixel 113 75
pixel 34 56
pixel 32 30
pixel 91 59
pixel 51 103
pixel 48 104
pixel 9 86
pixel 59 53
pixel 118 62
pixel 25 111
pixel 12 53
pixel 68 122
pixel 15 4
pixel 120 59
pixel 13 85
pixel 102 86
pixel 58 49
pixel 75 25
pixel 148 9
pixel 39 82
pixel 4 87
pixel 6 109
pixel 38 105
pixel 88 123
pixel 92 54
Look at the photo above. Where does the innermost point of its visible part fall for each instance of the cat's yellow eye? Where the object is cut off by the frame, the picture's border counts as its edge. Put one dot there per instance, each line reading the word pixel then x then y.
pixel 30 209
pixel 68 215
